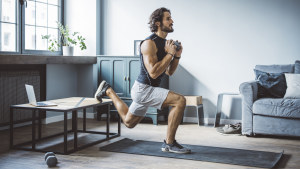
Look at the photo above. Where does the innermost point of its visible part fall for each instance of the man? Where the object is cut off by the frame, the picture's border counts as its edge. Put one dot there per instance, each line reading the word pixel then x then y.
pixel 158 57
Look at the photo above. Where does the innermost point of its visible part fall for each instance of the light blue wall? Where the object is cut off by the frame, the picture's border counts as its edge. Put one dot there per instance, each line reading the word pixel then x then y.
pixel 61 82
pixel 66 80
pixel 222 40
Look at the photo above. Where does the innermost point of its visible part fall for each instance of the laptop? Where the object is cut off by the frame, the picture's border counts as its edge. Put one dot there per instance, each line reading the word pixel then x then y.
pixel 32 99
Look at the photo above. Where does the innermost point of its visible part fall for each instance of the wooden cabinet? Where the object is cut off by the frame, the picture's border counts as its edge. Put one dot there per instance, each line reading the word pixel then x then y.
pixel 121 72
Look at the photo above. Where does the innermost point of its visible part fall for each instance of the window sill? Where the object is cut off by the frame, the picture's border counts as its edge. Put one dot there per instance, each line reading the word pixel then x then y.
pixel 43 59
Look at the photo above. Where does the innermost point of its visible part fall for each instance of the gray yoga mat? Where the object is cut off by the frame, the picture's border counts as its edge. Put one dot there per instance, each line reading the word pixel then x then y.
pixel 200 153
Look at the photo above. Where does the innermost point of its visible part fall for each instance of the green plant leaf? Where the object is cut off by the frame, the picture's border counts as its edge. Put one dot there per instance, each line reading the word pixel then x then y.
pixel 46 36
pixel 65 38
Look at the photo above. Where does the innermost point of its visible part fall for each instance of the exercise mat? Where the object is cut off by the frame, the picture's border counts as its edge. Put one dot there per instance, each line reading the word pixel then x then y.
pixel 199 153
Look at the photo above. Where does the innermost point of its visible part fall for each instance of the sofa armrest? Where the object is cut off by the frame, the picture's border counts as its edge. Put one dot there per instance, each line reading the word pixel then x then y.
pixel 248 91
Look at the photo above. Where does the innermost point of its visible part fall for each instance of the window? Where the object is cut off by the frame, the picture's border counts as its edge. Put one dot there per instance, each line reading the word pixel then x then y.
pixel 38 17
pixel 8 25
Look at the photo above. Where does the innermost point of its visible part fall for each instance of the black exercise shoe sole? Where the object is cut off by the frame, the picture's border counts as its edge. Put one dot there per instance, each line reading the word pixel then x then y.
pixel 99 93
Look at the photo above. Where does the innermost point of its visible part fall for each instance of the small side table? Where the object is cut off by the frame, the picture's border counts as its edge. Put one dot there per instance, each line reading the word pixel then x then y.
pixel 219 107
pixel 195 101
pixel 200 106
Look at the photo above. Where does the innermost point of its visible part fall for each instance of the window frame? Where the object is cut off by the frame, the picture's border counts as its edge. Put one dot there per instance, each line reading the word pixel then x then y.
pixel 20 31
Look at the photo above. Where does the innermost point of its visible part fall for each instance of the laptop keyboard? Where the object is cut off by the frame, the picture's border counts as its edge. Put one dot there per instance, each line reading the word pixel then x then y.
pixel 46 104
pixel 41 104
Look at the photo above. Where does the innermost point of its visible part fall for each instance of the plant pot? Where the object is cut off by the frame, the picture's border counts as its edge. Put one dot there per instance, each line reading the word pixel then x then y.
pixel 68 50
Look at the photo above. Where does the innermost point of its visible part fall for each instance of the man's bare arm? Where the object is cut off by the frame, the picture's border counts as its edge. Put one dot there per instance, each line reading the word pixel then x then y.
pixel 172 67
pixel 154 67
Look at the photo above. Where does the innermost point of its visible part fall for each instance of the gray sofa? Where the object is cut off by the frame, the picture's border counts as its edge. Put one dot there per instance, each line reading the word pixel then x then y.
pixel 269 116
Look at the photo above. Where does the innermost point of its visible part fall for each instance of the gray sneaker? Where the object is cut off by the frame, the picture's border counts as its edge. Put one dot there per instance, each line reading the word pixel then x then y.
pixel 175 148
pixel 101 91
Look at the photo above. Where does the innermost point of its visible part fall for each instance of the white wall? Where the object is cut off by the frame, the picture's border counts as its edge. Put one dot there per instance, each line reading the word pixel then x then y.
pixel 222 40
pixel 80 16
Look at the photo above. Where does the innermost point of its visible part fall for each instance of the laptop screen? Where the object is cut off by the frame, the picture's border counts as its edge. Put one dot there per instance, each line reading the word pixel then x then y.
pixel 30 94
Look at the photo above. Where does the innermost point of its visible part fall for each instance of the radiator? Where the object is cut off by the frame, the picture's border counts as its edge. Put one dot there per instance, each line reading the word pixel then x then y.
pixel 12 91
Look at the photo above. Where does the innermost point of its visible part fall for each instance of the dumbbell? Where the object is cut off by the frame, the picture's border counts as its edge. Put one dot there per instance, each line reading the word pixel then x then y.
pixel 50 159
pixel 178 46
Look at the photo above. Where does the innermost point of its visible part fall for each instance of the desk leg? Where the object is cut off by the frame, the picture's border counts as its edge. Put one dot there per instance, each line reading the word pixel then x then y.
pixel 84 120
pixel 198 116
pixel 11 124
pixel 40 125
pixel 119 125
pixel 65 132
pixel 33 129
pixel 75 128
pixel 107 121
pixel 73 122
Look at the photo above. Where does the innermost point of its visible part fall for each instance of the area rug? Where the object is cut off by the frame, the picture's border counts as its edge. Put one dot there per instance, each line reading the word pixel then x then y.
pixel 199 153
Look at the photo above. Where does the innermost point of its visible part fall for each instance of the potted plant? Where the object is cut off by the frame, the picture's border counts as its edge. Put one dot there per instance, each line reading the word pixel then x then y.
pixel 66 40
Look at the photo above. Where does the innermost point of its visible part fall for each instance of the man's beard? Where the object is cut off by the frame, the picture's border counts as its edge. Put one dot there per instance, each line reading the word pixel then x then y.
pixel 167 29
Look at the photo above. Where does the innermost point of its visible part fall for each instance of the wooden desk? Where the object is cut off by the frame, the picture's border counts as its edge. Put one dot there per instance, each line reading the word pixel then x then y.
pixel 64 105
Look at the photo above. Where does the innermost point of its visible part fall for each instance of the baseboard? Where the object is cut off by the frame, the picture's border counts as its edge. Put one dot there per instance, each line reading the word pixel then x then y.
pixel 230 121
pixel 190 120
pixel 52 120
pixel 61 117
pixel 210 121
pixel 207 121
pixel 16 125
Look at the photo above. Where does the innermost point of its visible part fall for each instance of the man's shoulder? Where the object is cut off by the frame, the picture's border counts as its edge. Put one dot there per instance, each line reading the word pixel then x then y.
pixel 151 37
pixel 149 41
pixel 148 45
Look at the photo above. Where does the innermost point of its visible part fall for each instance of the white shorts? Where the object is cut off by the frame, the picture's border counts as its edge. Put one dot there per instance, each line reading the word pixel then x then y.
pixel 144 96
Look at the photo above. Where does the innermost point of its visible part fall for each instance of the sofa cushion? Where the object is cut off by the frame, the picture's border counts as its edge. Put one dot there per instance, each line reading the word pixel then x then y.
pixel 276 68
pixel 272 85
pixel 288 108
pixel 297 66
pixel 293 86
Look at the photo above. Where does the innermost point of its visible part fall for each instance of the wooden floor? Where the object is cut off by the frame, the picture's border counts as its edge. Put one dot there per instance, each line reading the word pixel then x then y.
pixel 92 158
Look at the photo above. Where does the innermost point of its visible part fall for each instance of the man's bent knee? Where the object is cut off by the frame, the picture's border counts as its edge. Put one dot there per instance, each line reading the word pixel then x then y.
pixel 181 101
pixel 131 120
pixel 174 99
pixel 130 125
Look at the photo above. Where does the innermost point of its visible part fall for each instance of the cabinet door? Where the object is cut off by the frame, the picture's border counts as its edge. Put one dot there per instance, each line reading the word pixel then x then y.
pixel 119 76
pixel 105 70
pixel 113 70
pixel 133 73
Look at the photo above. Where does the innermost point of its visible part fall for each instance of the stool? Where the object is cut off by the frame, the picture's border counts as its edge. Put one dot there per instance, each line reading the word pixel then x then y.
pixel 195 101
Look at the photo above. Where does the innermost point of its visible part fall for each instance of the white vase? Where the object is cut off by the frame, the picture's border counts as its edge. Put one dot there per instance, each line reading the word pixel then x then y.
pixel 68 50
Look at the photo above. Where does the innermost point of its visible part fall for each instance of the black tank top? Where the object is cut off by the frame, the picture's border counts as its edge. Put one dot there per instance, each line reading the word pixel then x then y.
pixel 144 76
